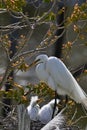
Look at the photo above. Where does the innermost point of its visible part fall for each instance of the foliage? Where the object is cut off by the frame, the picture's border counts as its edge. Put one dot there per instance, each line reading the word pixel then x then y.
pixel 17 60
pixel 15 5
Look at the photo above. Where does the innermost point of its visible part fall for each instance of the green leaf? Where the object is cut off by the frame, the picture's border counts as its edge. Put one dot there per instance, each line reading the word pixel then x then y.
pixel 14 5
pixel 47 1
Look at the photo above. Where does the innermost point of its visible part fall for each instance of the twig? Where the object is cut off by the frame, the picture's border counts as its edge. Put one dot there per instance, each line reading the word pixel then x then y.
pixel 6 51
pixel 48 39
pixel 74 114
pixel 77 120
pixel 14 14
pixel 24 44
pixel 53 5
pixel 5 104
pixel 3 11
pixel 24 54
pixel 7 72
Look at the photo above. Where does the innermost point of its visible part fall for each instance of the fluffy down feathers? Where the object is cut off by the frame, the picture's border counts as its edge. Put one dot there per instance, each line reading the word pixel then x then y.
pixel 33 108
pixel 45 113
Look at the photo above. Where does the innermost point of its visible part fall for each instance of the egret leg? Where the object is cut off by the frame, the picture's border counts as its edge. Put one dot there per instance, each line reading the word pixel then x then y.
pixel 55 103
pixel 66 100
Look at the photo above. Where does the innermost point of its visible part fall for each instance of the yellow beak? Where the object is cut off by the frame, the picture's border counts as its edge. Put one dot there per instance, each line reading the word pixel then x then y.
pixel 34 63
pixel 40 100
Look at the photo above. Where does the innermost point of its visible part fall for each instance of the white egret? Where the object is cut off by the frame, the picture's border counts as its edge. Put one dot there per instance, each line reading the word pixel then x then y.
pixel 45 113
pixel 33 108
pixel 54 72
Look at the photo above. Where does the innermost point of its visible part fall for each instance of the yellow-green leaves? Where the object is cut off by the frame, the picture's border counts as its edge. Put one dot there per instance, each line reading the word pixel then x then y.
pixel 15 5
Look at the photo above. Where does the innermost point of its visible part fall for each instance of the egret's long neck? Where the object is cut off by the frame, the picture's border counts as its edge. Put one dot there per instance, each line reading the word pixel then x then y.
pixel 41 71
pixel 32 104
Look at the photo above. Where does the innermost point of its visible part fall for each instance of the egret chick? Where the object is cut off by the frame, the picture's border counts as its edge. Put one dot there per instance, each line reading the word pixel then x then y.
pixel 54 72
pixel 33 108
pixel 45 113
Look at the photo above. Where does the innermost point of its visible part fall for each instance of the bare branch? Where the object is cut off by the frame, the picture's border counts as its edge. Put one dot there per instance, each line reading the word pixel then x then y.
pixel 3 11
pixel 45 14
pixel 77 120
pixel 7 72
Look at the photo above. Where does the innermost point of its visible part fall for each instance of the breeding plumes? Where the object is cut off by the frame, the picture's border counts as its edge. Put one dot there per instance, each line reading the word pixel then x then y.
pixel 45 113
pixel 57 123
pixel 54 72
pixel 33 108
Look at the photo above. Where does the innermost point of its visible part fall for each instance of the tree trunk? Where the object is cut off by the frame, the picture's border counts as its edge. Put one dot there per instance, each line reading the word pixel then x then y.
pixel 23 118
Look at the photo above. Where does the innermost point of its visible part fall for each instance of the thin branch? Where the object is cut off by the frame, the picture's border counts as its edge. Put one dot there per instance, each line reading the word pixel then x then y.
pixel 29 34
pixel 45 14
pixel 24 54
pixel 7 72
pixel 4 104
pixel 74 114
pixel 26 19
pixel 3 11
pixel 48 39
pixel 7 28
pixel 77 120
pixel 6 51
pixel 14 14
pixel 24 44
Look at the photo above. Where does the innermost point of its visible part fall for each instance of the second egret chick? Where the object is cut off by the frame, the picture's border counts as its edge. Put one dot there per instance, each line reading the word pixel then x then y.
pixel 33 108
pixel 45 113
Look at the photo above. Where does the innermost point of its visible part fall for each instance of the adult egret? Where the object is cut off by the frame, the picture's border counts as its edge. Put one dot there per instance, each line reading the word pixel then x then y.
pixel 45 113
pixel 33 108
pixel 54 72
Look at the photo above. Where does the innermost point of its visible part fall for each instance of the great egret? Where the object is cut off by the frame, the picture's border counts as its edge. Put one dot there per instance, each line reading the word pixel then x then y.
pixel 54 72
pixel 33 108
pixel 45 113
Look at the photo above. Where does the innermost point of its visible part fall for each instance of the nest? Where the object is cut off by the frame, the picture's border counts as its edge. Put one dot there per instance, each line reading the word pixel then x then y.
pixel 8 123
pixel 36 125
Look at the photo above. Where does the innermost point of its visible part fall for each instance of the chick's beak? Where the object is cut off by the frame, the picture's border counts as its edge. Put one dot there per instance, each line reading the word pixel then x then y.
pixel 40 100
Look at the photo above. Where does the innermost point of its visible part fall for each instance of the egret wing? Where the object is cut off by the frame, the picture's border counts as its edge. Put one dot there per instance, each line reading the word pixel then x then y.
pixel 61 75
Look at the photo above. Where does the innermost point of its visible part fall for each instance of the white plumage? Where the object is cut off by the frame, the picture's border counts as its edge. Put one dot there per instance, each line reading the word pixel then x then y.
pixel 45 113
pixel 54 72
pixel 33 108
pixel 57 123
